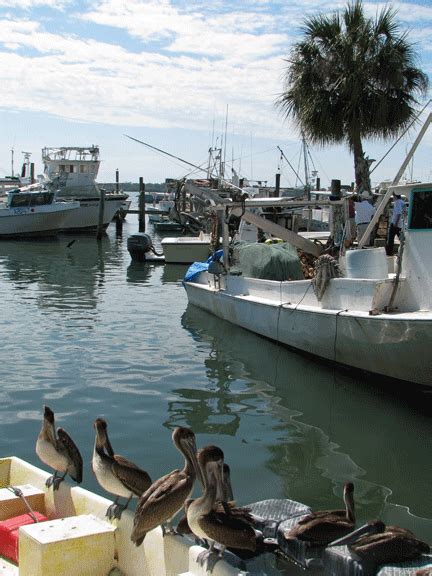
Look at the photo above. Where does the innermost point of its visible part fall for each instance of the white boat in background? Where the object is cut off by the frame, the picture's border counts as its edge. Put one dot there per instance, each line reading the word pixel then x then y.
pixel 72 171
pixel 33 212
pixel 186 249
pixel 370 319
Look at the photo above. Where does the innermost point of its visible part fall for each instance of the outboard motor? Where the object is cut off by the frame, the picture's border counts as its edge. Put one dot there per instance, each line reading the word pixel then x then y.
pixel 138 244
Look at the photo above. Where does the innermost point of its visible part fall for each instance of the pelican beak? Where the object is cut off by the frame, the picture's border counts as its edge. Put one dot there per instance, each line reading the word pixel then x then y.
pixel 217 469
pixel 366 529
pixel 191 450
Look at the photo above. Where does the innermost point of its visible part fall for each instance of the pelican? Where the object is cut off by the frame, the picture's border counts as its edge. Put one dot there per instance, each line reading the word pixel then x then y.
pixel 209 522
pixel 58 451
pixel 115 473
pixel 224 499
pixel 322 527
pixel 375 543
pixel 166 496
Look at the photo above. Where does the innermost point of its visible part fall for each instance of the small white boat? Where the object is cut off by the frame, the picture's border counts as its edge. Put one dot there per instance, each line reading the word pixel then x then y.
pixel 371 320
pixel 30 212
pixel 186 249
pixel 78 539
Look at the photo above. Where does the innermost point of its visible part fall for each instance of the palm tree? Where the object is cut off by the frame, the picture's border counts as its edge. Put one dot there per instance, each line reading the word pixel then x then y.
pixel 352 77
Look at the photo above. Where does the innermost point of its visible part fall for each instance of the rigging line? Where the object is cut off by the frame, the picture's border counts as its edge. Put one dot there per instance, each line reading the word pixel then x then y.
pixel 402 135
pixel 164 152
pixel 290 165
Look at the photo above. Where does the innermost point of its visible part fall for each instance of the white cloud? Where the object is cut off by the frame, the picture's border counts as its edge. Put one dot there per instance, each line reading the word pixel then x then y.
pixel 174 66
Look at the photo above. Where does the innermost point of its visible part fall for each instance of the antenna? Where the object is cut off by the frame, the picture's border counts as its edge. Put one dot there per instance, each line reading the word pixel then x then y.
pixel 12 158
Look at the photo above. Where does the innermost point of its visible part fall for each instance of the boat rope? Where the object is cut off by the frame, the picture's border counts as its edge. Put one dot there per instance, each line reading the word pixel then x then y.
pixel 336 333
pixel 283 304
pixel 19 493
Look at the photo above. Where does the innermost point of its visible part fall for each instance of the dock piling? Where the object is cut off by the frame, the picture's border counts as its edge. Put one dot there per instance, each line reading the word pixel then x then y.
pixel 100 228
pixel 141 206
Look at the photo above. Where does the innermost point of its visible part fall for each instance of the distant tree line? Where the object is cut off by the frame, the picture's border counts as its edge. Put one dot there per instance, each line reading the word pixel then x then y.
pixel 134 186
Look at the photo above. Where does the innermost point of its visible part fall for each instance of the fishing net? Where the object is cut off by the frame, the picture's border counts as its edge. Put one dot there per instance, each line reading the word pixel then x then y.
pixel 266 261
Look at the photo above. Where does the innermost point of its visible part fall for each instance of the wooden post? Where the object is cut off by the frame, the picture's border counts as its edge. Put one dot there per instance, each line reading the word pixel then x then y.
pixel 277 185
pixel 100 228
pixel 141 206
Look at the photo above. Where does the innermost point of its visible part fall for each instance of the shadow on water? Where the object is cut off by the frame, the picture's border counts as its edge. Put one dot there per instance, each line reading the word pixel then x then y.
pixel 328 425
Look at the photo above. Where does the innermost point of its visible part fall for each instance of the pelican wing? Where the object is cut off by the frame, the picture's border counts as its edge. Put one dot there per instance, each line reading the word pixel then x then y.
pixel 160 502
pixel 322 514
pixel 228 530
pixel 74 454
pixel 390 547
pixel 321 531
pixel 134 478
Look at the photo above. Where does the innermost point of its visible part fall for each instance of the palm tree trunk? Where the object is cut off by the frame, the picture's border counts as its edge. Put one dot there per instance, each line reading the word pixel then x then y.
pixel 361 166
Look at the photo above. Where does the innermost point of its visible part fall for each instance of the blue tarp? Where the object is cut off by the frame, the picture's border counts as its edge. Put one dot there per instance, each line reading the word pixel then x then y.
pixel 198 267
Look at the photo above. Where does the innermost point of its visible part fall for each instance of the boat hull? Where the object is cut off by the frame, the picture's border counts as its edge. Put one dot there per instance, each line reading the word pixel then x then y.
pixel 86 217
pixel 37 221
pixel 394 346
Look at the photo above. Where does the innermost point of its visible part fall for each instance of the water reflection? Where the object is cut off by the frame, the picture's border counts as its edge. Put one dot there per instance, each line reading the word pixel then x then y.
pixel 59 274
pixel 327 426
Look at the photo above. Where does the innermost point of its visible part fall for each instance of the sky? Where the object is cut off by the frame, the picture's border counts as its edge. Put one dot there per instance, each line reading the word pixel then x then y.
pixel 181 75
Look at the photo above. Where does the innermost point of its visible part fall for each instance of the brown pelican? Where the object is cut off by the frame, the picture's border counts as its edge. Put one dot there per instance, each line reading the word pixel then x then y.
pixel 322 527
pixel 375 543
pixel 58 451
pixel 224 499
pixel 210 522
pixel 115 473
pixel 166 496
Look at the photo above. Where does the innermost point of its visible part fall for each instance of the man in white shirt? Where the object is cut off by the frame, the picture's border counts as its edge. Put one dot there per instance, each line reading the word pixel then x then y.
pixel 363 214
pixel 395 223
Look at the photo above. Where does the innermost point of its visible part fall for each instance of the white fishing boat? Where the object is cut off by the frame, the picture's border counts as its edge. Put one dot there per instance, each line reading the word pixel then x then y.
pixel 369 319
pixel 72 171
pixel 30 212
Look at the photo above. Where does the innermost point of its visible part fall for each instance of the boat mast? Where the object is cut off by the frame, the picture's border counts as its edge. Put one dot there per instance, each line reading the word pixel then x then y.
pixel 306 166
pixel 12 162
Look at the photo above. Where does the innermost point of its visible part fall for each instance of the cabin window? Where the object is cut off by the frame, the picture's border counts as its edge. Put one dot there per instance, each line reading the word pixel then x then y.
pixel 420 210
pixel 62 168
pixel 84 168
pixel 41 199
pixel 20 199
pixel 72 168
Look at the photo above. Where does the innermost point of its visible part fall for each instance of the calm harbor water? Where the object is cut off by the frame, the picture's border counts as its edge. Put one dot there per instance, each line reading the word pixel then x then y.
pixel 91 334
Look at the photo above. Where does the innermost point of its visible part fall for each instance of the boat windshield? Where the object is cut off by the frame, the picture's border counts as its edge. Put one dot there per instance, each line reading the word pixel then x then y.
pixel 421 210
pixel 21 199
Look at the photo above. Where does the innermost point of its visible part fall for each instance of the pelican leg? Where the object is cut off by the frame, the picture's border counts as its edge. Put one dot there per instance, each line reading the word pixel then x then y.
pixel 112 510
pixel 120 508
pixel 168 529
pixel 204 558
pixel 57 481
pixel 50 480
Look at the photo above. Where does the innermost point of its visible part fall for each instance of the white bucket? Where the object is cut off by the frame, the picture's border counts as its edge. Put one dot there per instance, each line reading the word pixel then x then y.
pixel 368 263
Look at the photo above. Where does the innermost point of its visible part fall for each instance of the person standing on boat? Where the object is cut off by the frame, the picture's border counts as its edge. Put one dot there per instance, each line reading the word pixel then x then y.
pixel 363 215
pixel 396 223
